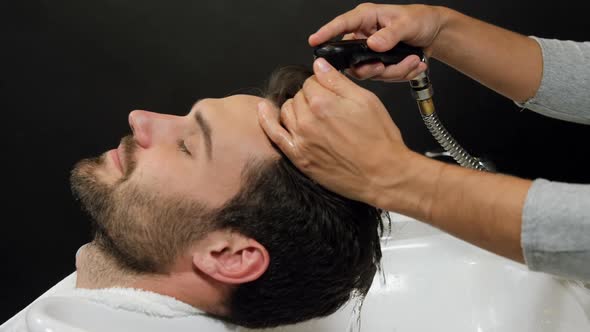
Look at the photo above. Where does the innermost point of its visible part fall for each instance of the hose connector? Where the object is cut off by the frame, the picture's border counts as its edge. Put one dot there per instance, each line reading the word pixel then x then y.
pixel 421 87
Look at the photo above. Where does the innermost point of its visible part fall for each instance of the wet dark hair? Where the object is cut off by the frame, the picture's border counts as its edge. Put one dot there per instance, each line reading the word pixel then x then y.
pixel 323 248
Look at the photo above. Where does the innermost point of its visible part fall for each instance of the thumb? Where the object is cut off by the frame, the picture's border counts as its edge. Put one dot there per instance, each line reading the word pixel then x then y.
pixel 332 79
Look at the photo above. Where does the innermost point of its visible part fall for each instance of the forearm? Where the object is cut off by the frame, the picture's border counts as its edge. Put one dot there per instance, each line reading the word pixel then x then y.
pixel 481 208
pixel 504 61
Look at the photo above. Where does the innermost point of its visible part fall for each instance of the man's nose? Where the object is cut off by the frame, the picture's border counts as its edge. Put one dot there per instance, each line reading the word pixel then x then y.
pixel 141 124
pixel 151 128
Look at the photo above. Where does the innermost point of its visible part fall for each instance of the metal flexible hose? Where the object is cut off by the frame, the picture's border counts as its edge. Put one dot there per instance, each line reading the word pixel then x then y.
pixel 422 92
pixel 442 136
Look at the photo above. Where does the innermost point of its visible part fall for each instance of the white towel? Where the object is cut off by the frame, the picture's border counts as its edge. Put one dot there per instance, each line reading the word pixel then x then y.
pixel 136 300
pixel 127 299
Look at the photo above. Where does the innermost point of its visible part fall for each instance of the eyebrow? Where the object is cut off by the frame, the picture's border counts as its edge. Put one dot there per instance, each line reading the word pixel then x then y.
pixel 206 131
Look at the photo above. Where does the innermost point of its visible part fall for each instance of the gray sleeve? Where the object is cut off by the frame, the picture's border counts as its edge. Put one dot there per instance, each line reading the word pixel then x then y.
pixel 556 229
pixel 565 87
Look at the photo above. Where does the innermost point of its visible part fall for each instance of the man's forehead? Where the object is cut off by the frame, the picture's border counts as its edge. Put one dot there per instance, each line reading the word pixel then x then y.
pixel 234 121
pixel 240 100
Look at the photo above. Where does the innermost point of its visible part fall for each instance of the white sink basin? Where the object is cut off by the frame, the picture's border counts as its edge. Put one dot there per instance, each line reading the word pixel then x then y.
pixel 440 283
pixel 433 282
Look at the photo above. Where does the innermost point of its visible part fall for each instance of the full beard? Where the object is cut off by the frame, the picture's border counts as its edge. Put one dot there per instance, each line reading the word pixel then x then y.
pixel 142 231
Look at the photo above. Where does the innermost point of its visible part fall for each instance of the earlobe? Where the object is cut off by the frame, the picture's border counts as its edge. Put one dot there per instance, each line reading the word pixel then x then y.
pixel 235 260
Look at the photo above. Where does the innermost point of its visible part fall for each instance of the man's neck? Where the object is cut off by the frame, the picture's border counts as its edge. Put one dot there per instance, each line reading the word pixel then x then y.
pixel 96 270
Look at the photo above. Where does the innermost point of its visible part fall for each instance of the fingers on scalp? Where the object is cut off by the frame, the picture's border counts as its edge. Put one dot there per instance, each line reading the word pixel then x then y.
pixel 273 129
pixel 266 118
pixel 299 102
pixel 288 116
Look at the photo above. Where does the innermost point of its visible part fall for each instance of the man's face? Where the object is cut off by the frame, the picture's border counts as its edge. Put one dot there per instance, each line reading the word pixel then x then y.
pixel 146 195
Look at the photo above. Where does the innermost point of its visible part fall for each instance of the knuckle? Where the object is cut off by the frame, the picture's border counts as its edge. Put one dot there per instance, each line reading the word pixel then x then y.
pixel 307 84
pixel 367 94
pixel 305 129
pixel 334 83
pixel 283 116
pixel 368 97
pixel 339 23
pixel 363 73
pixel 299 96
pixel 315 101
pixel 365 6
pixel 301 154
pixel 288 104
pixel 356 74
pixel 304 164
pixel 318 103
pixel 348 36
pixel 372 97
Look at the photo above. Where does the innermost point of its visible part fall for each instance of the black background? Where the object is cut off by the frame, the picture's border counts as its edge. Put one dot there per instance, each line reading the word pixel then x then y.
pixel 71 71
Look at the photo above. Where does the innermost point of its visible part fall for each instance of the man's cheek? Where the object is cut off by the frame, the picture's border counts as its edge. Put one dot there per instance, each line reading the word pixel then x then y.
pixel 159 178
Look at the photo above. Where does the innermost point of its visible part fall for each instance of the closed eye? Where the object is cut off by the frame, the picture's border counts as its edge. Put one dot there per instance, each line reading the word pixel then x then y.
pixel 183 147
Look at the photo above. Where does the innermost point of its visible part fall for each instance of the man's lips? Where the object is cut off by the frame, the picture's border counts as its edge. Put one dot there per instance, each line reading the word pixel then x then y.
pixel 114 154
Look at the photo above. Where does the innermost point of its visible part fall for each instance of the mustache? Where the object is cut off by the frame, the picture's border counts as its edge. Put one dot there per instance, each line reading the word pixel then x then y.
pixel 129 145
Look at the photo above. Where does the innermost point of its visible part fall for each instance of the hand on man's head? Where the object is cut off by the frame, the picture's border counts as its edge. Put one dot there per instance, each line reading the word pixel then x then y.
pixel 329 123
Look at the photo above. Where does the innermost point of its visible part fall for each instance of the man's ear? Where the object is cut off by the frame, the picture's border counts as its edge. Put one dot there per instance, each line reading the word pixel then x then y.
pixel 231 257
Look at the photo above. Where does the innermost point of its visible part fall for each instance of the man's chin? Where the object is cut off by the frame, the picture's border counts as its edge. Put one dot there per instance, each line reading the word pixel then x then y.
pixel 97 170
pixel 88 183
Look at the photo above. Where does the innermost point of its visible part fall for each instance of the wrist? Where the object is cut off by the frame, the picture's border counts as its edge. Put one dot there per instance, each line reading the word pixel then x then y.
pixel 445 17
pixel 409 185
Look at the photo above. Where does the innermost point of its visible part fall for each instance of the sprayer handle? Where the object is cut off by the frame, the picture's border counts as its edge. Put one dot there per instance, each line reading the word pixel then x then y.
pixel 344 54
